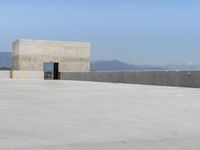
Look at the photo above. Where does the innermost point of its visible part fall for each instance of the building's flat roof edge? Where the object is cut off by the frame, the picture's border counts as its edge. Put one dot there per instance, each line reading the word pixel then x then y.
pixel 53 41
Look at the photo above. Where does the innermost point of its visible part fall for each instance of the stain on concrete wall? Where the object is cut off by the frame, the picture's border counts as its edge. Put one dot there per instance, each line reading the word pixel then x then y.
pixel 24 75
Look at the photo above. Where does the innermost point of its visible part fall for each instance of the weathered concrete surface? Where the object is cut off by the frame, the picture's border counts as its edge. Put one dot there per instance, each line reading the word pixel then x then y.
pixel 165 78
pixel 4 74
pixel 29 55
pixel 27 75
pixel 74 115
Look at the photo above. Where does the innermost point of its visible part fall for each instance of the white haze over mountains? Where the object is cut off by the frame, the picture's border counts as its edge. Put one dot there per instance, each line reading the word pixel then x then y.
pixel 112 65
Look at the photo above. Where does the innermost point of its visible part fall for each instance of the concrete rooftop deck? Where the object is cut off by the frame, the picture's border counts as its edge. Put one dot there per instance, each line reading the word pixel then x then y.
pixel 74 115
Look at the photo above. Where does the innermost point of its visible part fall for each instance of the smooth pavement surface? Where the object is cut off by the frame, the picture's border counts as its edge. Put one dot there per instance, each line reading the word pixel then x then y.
pixel 81 115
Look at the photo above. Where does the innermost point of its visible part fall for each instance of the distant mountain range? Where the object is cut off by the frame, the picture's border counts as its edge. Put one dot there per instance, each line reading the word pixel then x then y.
pixel 116 65
pixel 5 60
pixel 113 65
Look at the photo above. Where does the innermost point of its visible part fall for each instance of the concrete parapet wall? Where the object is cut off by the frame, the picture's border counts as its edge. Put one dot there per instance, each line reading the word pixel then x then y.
pixel 165 78
pixel 4 74
pixel 27 75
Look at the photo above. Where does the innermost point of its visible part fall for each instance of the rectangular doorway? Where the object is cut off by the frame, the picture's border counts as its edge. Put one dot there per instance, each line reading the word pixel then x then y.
pixel 56 74
pixel 51 71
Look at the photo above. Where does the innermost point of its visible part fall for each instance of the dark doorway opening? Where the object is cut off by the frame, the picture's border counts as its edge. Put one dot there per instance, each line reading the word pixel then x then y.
pixel 56 74
pixel 51 71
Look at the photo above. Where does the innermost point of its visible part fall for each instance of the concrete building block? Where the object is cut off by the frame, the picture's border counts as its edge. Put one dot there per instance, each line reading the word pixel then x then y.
pixel 30 55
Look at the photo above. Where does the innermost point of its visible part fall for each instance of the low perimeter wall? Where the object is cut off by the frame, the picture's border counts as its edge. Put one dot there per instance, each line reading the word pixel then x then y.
pixel 165 78
pixel 27 75
pixel 4 74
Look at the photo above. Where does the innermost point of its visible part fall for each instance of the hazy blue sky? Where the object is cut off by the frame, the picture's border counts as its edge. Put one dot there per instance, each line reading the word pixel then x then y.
pixel 139 32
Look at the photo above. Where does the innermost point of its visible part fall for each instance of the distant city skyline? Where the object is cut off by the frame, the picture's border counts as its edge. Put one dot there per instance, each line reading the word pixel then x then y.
pixel 137 32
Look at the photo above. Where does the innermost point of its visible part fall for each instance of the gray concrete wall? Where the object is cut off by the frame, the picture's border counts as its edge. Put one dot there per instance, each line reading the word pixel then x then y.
pixel 29 55
pixel 27 75
pixel 4 74
pixel 165 78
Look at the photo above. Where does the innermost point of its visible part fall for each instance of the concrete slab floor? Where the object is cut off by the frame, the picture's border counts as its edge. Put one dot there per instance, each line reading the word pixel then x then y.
pixel 75 115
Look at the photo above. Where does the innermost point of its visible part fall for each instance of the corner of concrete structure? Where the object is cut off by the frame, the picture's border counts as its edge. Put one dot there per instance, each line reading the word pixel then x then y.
pixel 15 51
pixel 16 42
